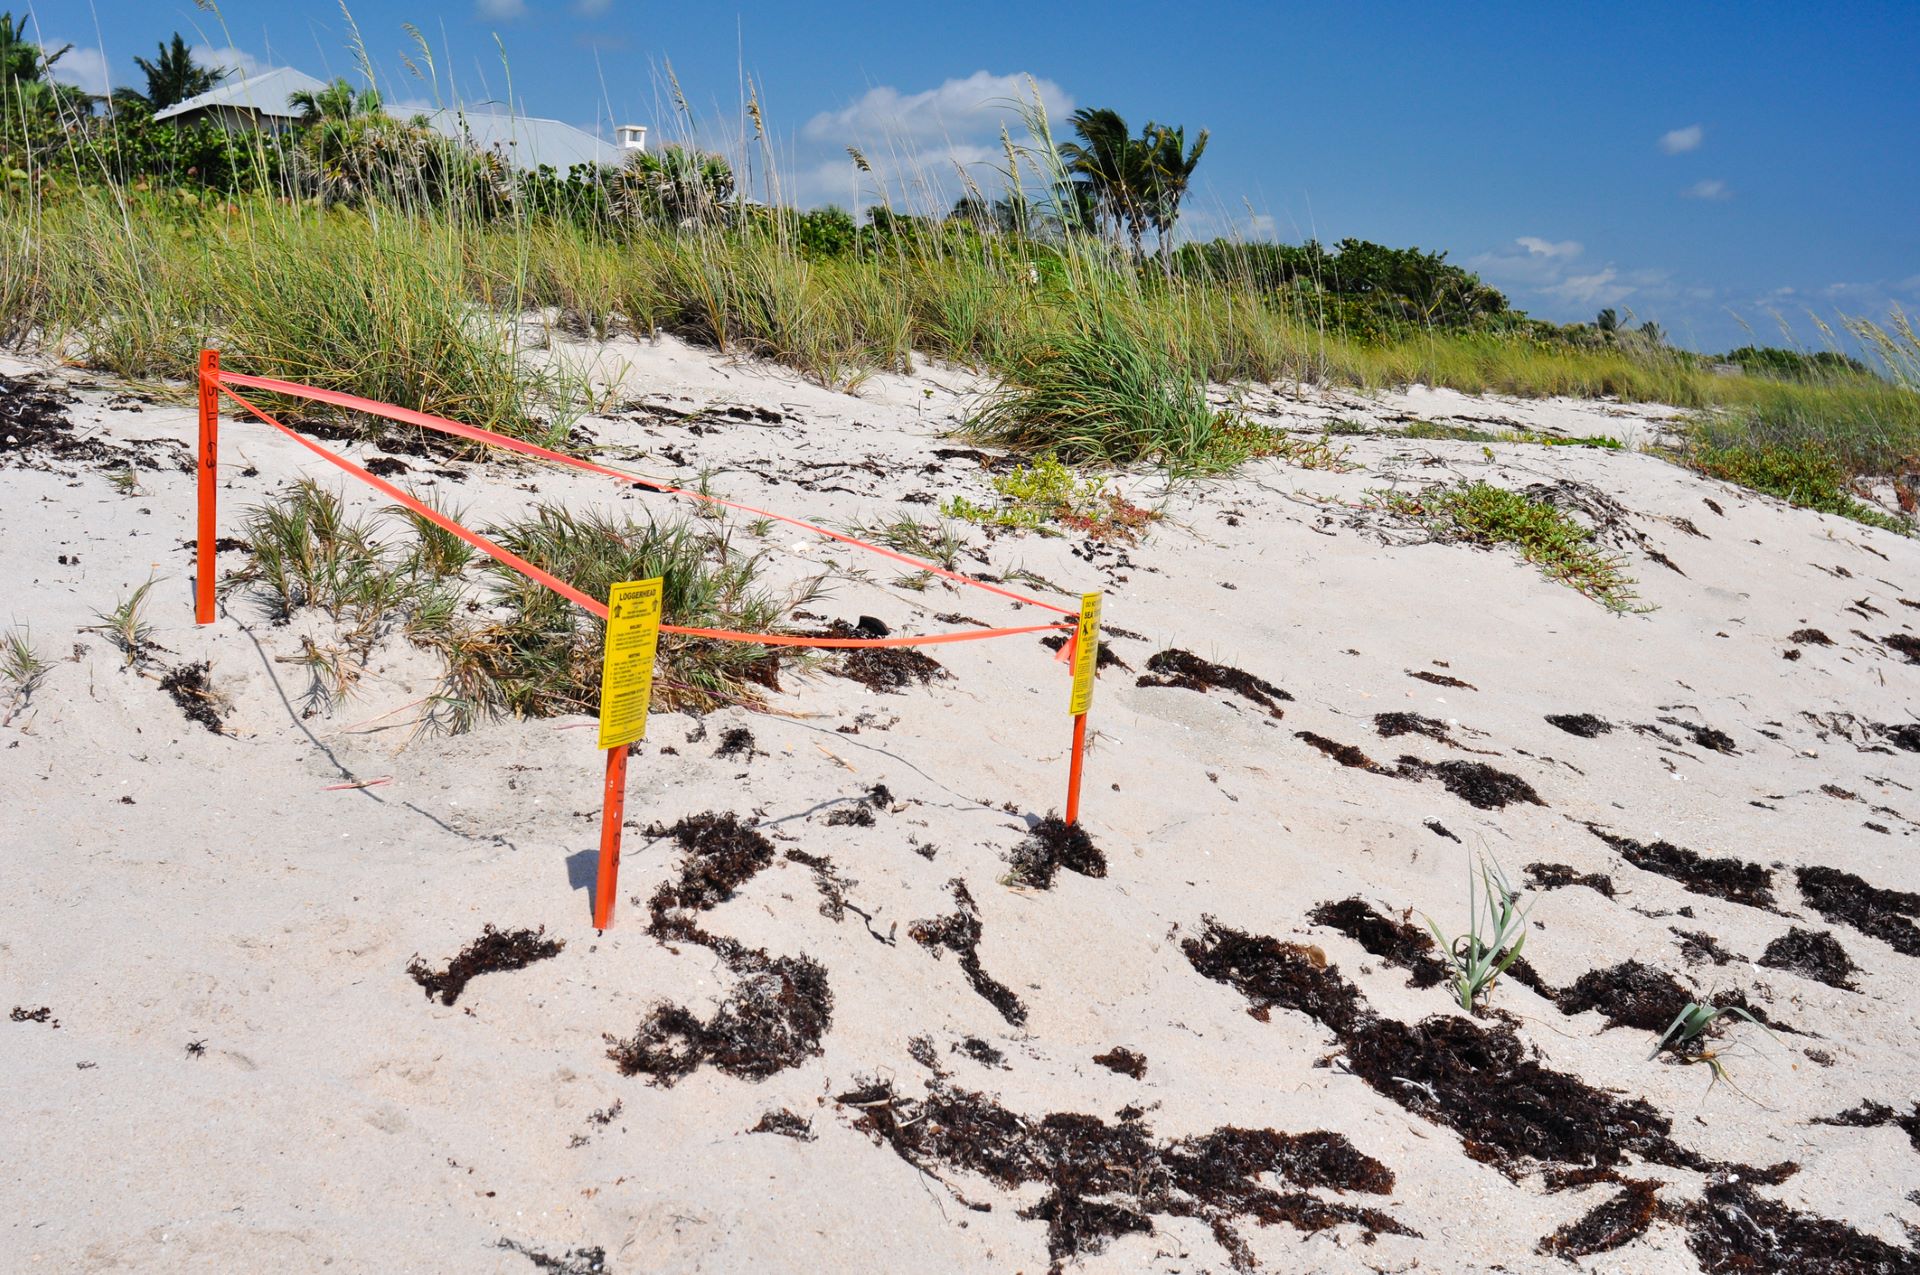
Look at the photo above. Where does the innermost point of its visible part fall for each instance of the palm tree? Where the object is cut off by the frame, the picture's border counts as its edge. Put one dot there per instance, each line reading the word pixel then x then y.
pixel 677 184
pixel 25 72
pixel 174 76
pixel 338 101
pixel 1113 171
pixel 1171 171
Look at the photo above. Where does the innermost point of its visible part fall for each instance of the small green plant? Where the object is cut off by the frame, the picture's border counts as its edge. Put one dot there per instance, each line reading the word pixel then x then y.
pixel 1047 491
pixel 1691 1039
pixel 1480 513
pixel 125 480
pixel 307 551
pixel 939 542
pixel 125 627
pixel 437 553
pixel 1496 931
pixel 22 666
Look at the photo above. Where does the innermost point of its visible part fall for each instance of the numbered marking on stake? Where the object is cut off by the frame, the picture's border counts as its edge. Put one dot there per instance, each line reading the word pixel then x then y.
pixel 1086 653
pixel 626 673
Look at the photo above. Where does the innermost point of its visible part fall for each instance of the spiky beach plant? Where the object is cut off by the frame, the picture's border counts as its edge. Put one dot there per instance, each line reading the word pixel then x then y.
pixel 1496 932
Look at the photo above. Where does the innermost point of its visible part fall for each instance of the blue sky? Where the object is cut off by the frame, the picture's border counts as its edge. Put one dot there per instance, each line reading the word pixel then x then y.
pixel 1687 163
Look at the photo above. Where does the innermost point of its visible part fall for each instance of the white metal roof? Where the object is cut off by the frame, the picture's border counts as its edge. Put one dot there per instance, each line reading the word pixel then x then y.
pixel 264 94
pixel 523 140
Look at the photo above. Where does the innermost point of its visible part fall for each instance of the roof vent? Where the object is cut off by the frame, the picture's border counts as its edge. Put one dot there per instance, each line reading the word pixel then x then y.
pixel 633 137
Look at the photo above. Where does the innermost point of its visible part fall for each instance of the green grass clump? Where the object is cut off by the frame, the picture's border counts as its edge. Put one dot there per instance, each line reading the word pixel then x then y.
pixel 1564 550
pixel 306 550
pixel 21 667
pixel 537 655
pixel 1097 390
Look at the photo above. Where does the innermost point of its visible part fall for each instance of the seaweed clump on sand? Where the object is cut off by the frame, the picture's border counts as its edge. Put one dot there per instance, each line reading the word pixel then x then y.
pixel 1104 659
pixel 1846 899
pixel 1394 725
pixel 1556 876
pixel 1585 725
pixel 1903 735
pixel 960 933
pixel 1630 994
pixel 1872 1115
pixel 1125 1061
pixel 1346 754
pixel 774 1018
pixel 778 1012
pixel 1734 1228
pixel 1101 1181
pixel 1474 782
pixel 193 692
pixel 1813 954
pixel 495 951
pixel 1728 879
pixel 1509 1110
pixel 1054 844
pixel 1810 637
pixel 883 669
pixel 1398 943
pixel 787 1125
pixel 738 743
pixel 1617 1221
pixel 1184 669
pixel 575 1261
pixel 722 854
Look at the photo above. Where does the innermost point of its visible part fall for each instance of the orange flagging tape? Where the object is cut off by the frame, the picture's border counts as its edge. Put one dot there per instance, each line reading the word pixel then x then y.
pixel 408 416
pixel 567 591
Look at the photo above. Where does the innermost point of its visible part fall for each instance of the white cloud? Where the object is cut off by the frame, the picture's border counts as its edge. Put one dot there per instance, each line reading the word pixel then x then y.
pixel 1682 140
pixel 1537 247
pixel 1712 188
pixel 242 63
pixel 1602 287
pixel 85 67
pixel 500 10
pixel 973 107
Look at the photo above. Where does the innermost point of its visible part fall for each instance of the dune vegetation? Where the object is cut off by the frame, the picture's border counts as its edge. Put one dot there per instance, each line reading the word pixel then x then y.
pixel 368 254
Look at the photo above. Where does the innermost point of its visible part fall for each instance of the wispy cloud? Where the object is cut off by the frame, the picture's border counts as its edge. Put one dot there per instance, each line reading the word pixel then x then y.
pixel 917 145
pixel 591 8
pixel 500 10
pixel 85 67
pixel 969 108
pixel 1537 247
pixel 1681 140
pixel 1711 188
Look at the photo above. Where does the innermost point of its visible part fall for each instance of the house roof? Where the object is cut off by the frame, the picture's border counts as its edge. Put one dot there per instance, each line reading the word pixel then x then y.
pixel 523 140
pixel 263 94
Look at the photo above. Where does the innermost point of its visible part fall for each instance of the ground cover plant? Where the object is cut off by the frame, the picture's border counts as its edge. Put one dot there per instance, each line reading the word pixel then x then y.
pixel 1483 514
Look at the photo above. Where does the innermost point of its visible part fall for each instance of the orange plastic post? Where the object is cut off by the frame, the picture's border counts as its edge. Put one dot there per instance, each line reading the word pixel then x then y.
pixel 209 482
pixel 613 809
pixel 1073 772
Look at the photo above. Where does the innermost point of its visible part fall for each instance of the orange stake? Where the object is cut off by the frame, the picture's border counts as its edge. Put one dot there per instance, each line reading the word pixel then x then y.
pixel 1073 771
pixel 613 808
pixel 209 480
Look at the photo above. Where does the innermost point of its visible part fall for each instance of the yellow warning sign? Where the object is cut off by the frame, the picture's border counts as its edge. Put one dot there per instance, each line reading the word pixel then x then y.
pixel 1086 653
pixel 626 671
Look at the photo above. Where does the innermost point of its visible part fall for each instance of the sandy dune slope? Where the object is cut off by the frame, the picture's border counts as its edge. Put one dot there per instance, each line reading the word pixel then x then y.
pixel 244 1077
